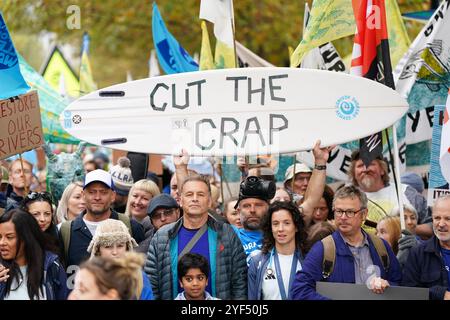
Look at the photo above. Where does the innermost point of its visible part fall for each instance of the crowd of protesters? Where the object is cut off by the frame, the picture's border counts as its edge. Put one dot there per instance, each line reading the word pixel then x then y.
pixel 111 236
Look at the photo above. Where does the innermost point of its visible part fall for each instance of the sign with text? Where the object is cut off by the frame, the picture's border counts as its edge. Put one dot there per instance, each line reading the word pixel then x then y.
pixel 20 124
pixel 247 111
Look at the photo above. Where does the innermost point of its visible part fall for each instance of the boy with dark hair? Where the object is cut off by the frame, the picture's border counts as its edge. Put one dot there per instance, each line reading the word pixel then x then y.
pixel 193 271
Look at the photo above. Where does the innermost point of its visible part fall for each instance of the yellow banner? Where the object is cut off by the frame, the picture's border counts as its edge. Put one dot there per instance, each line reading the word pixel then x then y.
pixel 206 57
pixel 87 83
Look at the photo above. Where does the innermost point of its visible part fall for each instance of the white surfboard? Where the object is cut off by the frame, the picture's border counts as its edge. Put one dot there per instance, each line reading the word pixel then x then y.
pixel 234 112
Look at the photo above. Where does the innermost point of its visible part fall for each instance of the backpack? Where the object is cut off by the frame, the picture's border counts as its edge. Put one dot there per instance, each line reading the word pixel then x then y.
pixel 66 227
pixel 329 254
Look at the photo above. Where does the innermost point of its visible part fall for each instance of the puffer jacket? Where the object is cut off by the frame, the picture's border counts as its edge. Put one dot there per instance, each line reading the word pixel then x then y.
pixel 228 261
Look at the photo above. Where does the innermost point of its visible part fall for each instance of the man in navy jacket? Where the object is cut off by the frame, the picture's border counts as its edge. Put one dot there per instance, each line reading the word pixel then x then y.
pixel 357 260
pixel 428 264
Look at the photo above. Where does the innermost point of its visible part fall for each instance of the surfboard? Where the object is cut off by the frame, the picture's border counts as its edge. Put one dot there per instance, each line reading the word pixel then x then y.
pixel 234 112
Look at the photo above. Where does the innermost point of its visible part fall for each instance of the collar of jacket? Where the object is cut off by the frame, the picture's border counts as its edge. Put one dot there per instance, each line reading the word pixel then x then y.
pixel 212 223
pixel 78 223
pixel 432 245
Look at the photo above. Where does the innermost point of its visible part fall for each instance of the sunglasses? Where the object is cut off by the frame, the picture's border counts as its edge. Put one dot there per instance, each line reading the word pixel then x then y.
pixel 39 195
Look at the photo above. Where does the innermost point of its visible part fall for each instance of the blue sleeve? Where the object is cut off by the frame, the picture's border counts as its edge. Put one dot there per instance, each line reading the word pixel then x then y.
pixel 251 283
pixel 147 292
pixel 304 286
pixel 61 291
pixel 394 276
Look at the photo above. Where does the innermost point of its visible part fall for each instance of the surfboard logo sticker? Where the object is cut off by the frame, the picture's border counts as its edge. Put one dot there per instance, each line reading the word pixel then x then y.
pixel 347 108
pixel 76 119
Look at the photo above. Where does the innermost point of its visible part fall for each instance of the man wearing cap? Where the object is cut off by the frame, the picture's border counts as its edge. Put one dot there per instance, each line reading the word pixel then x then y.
pixel 197 232
pixel 252 209
pixel 301 178
pixel 382 195
pixel 163 209
pixel 99 194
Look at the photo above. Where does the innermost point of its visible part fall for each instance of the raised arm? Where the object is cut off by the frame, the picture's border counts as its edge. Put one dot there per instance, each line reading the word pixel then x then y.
pixel 316 184
pixel 181 170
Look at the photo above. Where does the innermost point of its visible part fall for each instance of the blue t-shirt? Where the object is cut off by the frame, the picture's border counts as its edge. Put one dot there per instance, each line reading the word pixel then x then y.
pixel 251 241
pixel 147 292
pixel 201 247
pixel 446 256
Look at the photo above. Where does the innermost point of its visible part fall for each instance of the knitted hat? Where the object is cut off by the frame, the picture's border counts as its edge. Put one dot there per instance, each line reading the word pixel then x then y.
pixel 108 233
pixel 122 177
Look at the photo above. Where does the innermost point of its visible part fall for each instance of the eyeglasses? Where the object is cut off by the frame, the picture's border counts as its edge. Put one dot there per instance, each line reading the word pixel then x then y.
pixel 167 213
pixel 349 213
pixel 39 195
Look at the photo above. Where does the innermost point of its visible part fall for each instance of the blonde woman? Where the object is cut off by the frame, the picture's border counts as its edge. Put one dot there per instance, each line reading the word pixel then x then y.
pixel 389 229
pixel 71 203
pixel 141 193
pixel 109 278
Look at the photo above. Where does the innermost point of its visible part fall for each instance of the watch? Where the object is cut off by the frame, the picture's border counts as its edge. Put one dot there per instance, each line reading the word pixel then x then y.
pixel 320 166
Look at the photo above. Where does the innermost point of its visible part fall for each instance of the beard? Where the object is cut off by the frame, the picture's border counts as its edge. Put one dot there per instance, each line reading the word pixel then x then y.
pixel 252 225
pixel 443 238
pixel 98 212
pixel 367 182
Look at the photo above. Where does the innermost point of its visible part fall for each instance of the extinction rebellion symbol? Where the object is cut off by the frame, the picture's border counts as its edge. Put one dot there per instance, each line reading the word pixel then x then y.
pixel 347 107
pixel 76 119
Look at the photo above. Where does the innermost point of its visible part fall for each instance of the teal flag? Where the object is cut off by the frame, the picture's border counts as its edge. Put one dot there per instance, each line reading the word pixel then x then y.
pixel 11 81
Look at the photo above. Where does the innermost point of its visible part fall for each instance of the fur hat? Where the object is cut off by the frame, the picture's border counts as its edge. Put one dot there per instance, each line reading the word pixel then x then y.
pixel 109 232
pixel 122 177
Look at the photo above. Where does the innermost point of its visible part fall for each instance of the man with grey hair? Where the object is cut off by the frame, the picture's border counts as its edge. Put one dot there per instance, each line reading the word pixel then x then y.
pixel 428 264
pixel 382 195
pixel 358 257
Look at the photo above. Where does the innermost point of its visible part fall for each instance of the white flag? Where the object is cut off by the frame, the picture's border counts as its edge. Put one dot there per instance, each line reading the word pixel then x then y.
pixel 250 59
pixel 153 68
pixel 444 158
pixel 220 13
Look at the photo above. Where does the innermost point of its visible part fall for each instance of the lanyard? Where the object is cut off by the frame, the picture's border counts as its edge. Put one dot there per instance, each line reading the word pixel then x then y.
pixel 295 260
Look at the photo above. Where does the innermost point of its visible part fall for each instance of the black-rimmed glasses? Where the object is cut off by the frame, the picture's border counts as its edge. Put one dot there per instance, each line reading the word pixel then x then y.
pixel 349 213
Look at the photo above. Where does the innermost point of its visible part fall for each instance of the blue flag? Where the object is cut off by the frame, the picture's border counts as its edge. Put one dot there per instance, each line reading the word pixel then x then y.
pixel 172 57
pixel 11 81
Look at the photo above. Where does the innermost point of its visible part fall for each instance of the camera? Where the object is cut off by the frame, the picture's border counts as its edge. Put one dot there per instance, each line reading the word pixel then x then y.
pixel 255 187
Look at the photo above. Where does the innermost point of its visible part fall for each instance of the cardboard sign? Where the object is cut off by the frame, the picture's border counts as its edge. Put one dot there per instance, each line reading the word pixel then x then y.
pixel 20 124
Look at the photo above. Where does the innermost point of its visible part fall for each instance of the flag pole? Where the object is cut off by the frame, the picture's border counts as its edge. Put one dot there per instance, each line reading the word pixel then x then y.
pixel 397 177
pixel 236 62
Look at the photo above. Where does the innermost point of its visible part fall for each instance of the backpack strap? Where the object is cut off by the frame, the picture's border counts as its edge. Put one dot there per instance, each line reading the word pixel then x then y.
pixel 126 220
pixel 329 256
pixel 66 226
pixel 381 250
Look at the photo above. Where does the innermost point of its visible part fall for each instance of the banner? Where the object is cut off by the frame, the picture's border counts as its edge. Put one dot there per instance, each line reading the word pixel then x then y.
pixel 444 158
pixel 20 125
pixel 437 186
pixel 398 36
pixel 423 74
pixel 330 20
pixel 171 55
pixel 11 81
pixel 60 75
pixel 371 59
pixel 219 12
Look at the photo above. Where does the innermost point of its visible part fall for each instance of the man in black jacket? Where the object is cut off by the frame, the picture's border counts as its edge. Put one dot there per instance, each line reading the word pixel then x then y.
pixel 428 264
pixel 99 194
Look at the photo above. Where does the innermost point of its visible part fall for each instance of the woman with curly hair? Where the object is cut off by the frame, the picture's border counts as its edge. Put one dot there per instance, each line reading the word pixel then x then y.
pixel 271 271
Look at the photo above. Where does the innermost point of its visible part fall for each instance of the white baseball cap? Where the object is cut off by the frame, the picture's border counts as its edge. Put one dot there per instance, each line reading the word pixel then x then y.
pixel 99 175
